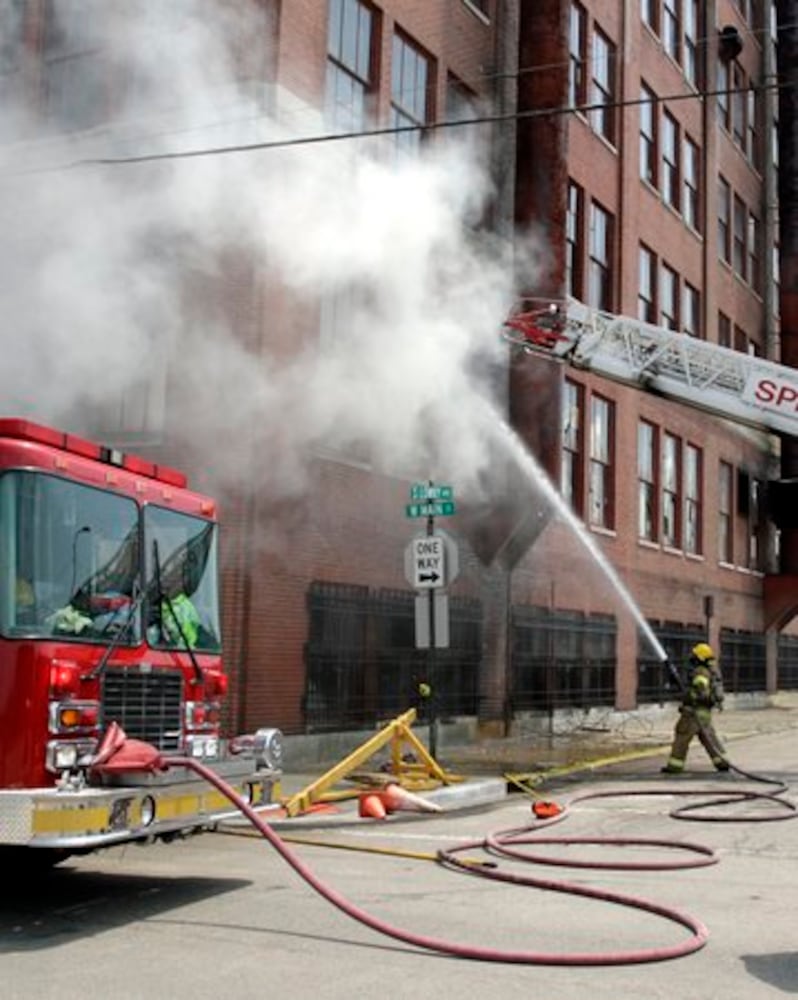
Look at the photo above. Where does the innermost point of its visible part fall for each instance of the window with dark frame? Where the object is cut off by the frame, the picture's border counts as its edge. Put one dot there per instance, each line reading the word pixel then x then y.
pixel 739 253
pixel 577 56
pixel 671 29
pixel 411 92
pixel 647 520
pixel 350 63
pixel 670 160
pixel 723 87
pixel 647 294
pixel 603 95
pixel 753 243
pixel 739 103
pixel 691 37
pixel 693 501
pixel 724 330
pixel 669 297
pixel 574 241
pixel 572 452
pixel 671 490
pixel 690 183
pixel 600 485
pixel 724 226
pixel 725 501
pixel 648 135
pixel 649 13
pixel 691 310
pixel 600 262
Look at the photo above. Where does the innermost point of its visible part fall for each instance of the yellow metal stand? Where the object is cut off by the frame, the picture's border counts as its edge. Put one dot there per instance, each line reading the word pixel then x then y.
pixel 398 733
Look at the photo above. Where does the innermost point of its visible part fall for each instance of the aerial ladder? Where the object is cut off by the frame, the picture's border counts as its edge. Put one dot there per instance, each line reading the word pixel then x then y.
pixel 727 383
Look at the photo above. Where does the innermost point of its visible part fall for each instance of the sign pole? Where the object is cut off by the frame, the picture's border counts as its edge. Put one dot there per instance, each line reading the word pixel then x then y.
pixel 433 680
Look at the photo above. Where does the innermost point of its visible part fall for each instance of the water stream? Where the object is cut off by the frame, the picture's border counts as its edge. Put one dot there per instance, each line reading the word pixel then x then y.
pixel 541 482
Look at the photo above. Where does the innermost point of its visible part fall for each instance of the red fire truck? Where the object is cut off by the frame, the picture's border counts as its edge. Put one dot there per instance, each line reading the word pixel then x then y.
pixel 109 613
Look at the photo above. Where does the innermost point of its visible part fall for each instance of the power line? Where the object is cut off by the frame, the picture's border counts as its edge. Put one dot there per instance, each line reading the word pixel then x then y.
pixel 532 114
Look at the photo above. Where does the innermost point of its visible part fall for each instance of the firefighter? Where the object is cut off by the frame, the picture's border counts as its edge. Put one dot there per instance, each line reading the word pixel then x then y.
pixel 181 621
pixel 702 693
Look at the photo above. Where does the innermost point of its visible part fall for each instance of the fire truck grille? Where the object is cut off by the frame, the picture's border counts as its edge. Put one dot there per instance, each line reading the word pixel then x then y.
pixel 146 705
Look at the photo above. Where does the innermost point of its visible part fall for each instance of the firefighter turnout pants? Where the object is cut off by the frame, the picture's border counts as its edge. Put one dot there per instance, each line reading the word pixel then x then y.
pixel 695 722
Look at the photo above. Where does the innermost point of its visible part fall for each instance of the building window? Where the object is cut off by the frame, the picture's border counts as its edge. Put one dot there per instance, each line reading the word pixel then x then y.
pixel 670 160
pixel 690 183
pixel 349 64
pixel 671 30
pixel 574 242
pixel 691 14
pixel 752 128
pixel 739 255
pixel 693 464
pixel 600 275
pixel 646 296
pixel 669 298
pixel 754 526
pixel 602 117
pixel 571 469
pixel 753 237
pixel 648 135
pixel 647 481
pixel 724 230
pixel 671 486
pixel 739 101
pixel 75 74
pixel 649 12
pixel 725 500
pixel 724 85
pixel 724 330
pixel 577 59
pixel 691 310
pixel 600 506
pixel 411 87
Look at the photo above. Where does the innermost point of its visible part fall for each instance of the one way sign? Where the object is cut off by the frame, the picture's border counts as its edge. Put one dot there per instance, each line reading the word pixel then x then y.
pixel 425 562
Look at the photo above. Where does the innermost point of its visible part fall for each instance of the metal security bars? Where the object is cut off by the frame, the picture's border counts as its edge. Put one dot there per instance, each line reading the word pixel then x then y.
pixel 362 665
pixel 562 659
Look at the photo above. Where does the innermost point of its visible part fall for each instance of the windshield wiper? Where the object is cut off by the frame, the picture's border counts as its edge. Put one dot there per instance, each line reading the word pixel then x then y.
pixel 163 598
pixel 120 633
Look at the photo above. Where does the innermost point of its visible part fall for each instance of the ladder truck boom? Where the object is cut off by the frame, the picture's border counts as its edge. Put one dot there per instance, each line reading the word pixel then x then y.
pixel 728 383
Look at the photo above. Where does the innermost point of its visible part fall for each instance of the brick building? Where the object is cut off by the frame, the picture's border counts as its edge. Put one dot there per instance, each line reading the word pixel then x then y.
pixel 630 150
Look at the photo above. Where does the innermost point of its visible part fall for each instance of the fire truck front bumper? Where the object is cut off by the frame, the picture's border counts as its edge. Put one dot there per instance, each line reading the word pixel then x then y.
pixel 144 807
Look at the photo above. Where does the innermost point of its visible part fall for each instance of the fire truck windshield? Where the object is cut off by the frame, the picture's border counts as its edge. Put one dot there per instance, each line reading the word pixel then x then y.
pixel 69 560
pixel 182 598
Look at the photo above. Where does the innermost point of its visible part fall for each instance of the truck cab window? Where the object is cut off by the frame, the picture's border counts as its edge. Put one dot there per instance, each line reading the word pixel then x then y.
pixel 181 573
pixel 69 557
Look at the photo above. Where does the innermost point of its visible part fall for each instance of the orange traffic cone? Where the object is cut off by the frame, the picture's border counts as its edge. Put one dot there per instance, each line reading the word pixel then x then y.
pixel 394 798
pixel 371 806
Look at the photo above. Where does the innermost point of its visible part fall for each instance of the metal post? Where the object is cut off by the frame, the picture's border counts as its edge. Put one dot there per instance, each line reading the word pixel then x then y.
pixel 433 680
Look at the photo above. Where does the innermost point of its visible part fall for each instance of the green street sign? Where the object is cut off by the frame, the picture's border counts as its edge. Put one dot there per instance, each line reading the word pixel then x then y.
pixel 436 508
pixel 428 491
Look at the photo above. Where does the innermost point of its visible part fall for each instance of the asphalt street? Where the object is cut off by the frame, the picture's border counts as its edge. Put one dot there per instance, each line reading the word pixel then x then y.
pixel 225 915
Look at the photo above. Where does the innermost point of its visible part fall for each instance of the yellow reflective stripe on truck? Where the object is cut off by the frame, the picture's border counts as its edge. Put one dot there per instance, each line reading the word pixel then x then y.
pixel 54 817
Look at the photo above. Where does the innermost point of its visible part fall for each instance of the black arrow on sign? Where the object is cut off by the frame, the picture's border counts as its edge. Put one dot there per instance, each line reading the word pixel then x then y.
pixel 428 577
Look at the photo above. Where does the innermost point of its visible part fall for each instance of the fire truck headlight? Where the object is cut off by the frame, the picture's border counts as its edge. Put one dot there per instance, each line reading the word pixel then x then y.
pixel 268 748
pixel 63 756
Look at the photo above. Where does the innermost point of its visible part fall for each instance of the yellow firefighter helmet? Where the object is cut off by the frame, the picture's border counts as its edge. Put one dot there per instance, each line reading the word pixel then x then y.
pixel 703 653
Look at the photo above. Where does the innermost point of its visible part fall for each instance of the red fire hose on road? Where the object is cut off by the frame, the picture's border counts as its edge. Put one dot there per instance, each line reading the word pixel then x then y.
pixel 118 754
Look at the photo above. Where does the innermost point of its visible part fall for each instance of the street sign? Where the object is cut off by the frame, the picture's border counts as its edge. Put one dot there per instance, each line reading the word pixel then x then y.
pixel 425 562
pixel 435 508
pixel 415 567
pixel 432 616
pixel 428 491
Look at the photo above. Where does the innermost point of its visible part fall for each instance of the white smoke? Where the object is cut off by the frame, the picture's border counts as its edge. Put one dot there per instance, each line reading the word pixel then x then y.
pixel 117 279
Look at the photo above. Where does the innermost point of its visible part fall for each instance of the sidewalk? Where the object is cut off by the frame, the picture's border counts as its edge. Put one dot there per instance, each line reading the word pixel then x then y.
pixel 633 744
